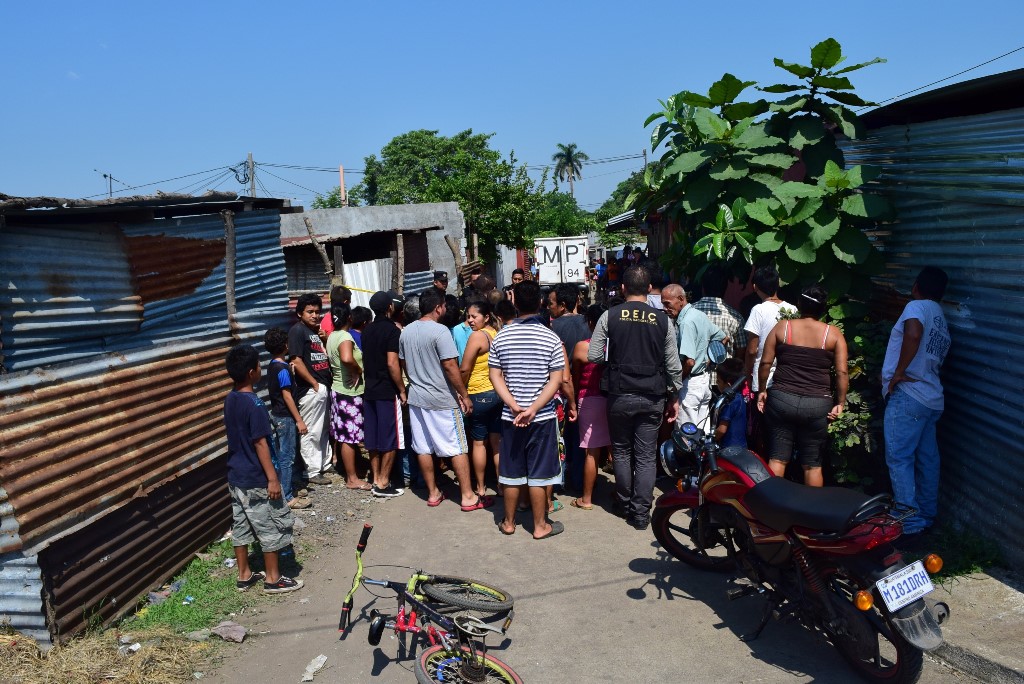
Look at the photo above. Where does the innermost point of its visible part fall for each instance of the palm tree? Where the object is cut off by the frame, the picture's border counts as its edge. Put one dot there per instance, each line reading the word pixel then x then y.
pixel 569 163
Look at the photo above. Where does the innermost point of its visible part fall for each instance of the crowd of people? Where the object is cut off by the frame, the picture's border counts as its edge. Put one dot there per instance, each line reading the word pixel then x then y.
pixel 549 389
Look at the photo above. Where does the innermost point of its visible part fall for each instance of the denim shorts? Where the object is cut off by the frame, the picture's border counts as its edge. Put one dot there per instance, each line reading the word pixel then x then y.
pixel 792 419
pixel 486 415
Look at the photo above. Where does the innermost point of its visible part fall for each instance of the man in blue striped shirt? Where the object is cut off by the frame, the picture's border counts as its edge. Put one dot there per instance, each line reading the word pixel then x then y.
pixel 526 363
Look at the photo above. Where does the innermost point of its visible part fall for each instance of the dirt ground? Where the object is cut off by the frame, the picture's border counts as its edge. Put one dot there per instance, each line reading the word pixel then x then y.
pixel 601 602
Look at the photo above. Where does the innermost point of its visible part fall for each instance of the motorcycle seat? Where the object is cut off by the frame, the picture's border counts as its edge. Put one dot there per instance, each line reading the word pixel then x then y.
pixel 782 504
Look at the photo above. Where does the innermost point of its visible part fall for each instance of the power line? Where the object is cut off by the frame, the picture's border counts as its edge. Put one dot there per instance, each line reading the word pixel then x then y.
pixel 288 181
pixel 942 80
pixel 301 167
pixel 168 180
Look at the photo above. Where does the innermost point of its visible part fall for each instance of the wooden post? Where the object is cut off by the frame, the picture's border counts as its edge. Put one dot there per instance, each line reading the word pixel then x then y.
pixel 228 217
pixel 341 185
pixel 339 267
pixel 455 253
pixel 476 245
pixel 398 270
pixel 328 267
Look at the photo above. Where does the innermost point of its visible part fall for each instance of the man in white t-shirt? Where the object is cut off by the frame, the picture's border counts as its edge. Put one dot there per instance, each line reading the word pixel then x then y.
pixel 917 347
pixel 762 319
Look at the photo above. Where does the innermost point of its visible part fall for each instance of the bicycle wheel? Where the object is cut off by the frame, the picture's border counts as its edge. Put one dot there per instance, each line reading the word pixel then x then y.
pixel 467 593
pixel 438 665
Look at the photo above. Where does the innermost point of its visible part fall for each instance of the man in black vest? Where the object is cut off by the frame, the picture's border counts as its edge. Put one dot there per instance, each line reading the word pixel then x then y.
pixel 637 344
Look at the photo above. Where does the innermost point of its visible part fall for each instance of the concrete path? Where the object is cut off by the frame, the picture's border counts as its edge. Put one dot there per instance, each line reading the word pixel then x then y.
pixel 600 603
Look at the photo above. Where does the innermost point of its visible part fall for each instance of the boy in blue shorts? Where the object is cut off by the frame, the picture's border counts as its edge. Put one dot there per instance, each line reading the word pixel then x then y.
pixel 257 508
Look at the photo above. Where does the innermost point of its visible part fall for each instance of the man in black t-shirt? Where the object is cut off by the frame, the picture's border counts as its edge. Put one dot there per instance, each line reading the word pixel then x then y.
pixel 384 395
pixel 312 381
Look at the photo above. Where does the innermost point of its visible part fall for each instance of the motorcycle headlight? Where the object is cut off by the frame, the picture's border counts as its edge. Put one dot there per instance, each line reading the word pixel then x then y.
pixel 679 454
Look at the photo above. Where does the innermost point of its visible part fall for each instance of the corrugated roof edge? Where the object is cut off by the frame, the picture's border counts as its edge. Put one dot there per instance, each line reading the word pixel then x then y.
pixel 977 96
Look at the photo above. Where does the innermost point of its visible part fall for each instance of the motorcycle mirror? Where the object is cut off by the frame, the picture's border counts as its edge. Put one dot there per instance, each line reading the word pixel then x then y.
pixel 716 352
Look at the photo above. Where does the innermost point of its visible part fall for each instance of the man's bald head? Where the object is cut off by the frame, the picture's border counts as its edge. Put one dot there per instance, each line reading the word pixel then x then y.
pixel 673 298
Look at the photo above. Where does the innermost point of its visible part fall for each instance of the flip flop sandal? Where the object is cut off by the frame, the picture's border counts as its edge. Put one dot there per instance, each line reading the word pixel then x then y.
pixel 555 507
pixel 436 503
pixel 507 534
pixel 481 502
pixel 576 503
pixel 365 487
pixel 556 528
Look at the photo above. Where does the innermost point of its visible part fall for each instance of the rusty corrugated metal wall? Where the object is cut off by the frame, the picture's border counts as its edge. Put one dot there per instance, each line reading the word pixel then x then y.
pixel 120 331
pixel 958 187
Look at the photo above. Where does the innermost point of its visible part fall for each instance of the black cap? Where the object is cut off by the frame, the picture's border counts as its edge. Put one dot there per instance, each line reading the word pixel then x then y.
pixel 380 301
pixel 440 275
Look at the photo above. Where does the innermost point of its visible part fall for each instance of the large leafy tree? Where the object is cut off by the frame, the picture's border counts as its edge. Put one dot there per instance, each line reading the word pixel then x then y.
pixel 558 215
pixel 495 193
pixel 569 163
pixel 615 205
pixel 753 181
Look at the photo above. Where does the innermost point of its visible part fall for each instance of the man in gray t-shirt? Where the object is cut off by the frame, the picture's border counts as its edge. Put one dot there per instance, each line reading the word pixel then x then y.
pixel 437 399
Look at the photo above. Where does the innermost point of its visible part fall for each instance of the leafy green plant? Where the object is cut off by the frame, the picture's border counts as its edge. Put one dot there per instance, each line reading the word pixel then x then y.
pixel 756 181
pixel 855 437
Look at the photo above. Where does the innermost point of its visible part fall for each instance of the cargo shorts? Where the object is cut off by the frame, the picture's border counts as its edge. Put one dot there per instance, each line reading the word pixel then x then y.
pixel 255 516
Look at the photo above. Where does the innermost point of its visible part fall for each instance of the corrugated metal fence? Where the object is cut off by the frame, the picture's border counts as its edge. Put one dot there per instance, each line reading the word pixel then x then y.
pixel 120 331
pixel 958 187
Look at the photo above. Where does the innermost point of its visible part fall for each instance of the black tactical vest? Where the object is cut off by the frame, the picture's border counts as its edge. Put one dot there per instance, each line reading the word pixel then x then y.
pixel 636 350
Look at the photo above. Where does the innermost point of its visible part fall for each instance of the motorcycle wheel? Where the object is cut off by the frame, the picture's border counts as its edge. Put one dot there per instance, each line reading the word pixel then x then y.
pixel 885 656
pixel 676 528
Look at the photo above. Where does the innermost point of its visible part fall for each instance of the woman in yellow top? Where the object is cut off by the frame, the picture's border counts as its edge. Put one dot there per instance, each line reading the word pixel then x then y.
pixel 346 395
pixel 484 422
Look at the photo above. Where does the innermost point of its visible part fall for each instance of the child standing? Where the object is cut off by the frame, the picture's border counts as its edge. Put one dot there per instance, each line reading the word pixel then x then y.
pixel 284 414
pixel 312 380
pixel 732 420
pixel 257 509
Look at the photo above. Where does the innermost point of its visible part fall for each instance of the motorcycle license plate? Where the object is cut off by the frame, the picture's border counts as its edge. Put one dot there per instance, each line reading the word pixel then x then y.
pixel 904 586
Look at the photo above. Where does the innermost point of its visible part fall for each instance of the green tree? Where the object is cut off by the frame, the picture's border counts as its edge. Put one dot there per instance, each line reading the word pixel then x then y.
pixel 495 193
pixel 569 163
pixel 757 181
pixel 332 200
pixel 615 205
pixel 558 215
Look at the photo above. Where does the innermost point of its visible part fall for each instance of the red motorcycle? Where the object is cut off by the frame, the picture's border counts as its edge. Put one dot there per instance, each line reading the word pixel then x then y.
pixel 821 555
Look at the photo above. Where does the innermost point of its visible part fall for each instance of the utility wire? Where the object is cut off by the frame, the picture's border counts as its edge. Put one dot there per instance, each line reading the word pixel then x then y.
pixel 942 80
pixel 192 187
pixel 288 181
pixel 147 185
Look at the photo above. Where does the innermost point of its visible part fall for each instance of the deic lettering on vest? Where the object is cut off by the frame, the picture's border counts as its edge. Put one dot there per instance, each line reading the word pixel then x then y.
pixel 638 316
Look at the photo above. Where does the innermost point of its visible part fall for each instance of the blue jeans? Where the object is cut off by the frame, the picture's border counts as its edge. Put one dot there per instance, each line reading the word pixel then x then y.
pixel 282 451
pixel 912 453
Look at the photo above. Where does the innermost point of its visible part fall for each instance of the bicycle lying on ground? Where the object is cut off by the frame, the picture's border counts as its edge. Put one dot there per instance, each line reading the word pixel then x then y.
pixel 455 649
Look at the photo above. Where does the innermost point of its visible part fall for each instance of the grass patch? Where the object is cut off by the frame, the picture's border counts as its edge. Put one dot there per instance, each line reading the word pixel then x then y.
pixel 963 552
pixel 211 587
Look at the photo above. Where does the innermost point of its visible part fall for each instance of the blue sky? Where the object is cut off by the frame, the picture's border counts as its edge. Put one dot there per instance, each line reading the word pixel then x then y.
pixel 148 92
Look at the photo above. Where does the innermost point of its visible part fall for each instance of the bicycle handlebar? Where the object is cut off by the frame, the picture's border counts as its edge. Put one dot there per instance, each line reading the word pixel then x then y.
pixel 346 607
pixel 364 537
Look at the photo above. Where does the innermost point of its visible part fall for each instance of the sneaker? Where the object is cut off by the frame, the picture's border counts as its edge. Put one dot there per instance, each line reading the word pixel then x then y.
pixel 301 493
pixel 254 579
pixel 387 492
pixel 299 503
pixel 639 523
pixel 319 480
pixel 282 586
pixel 333 477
